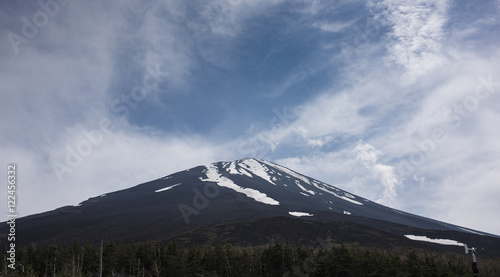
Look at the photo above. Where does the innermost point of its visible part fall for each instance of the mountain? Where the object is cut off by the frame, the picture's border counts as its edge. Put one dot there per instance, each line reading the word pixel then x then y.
pixel 246 202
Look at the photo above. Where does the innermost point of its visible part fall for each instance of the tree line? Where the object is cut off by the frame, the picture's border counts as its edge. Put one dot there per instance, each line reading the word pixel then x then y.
pixel 219 259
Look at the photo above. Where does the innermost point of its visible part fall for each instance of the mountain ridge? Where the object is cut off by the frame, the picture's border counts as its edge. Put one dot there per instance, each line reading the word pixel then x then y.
pixel 247 190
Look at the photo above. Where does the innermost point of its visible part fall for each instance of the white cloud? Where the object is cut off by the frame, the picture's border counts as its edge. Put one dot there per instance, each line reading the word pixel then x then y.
pixel 320 141
pixel 368 156
pixel 416 35
pixel 315 123
pixel 334 27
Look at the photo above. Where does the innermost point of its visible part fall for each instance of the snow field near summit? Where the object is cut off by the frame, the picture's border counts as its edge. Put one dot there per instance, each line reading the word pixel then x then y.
pixel 300 214
pixel 213 175
pixel 248 167
pixel 438 241
pixel 257 168
pixel 232 170
pixel 269 171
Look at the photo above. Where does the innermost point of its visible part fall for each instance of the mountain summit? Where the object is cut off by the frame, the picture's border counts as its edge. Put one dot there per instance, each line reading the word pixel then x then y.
pixel 247 201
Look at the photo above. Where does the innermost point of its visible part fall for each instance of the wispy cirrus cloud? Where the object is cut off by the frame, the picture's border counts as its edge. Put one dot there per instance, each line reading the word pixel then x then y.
pixel 336 26
pixel 416 36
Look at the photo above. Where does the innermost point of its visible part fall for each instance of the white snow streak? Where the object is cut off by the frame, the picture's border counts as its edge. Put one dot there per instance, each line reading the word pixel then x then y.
pixel 288 171
pixel 336 195
pixel 297 182
pixel 438 241
pixel 300 214
pixel 350 200
pixel 232 168
pixel 349 195
pixel 167 188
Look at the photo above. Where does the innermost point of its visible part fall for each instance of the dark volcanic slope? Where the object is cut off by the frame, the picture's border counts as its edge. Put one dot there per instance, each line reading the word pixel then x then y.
pixel 207 195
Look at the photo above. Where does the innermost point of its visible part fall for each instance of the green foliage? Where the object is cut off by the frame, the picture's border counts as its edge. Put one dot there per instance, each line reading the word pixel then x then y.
pixel 274 259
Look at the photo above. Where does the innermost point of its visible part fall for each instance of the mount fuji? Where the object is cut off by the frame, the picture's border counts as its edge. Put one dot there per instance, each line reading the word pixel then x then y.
pixel 245 202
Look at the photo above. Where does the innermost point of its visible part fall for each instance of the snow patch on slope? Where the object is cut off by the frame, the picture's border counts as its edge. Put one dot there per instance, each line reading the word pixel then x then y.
pixel 213 175
pixel 297 182
pixel 350 200
pixel 287 171
pixel 336 195
pixel 438 241
pixel 167 188
pixel 349 195
pixel 300 214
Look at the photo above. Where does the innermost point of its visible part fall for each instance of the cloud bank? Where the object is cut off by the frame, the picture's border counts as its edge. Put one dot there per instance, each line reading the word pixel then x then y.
pixel 392 100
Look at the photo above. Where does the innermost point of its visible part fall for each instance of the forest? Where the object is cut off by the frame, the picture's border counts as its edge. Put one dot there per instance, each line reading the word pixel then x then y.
pixel 218 259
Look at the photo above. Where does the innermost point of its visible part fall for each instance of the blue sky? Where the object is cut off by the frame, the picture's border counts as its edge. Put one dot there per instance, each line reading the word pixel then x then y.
pixel 396 101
